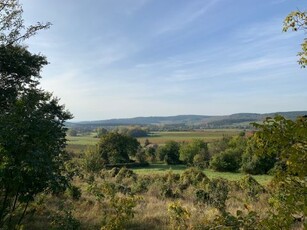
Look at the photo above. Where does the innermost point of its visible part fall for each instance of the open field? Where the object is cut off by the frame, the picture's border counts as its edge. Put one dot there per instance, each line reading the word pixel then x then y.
pixel 79 143
pixel 209 135
pixel 162 168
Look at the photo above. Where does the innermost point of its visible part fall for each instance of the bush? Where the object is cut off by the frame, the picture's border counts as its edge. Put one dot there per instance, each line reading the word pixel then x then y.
pixel 188 151
pixel 169 153
pixel 125 173
pixel 93 162
pixel 218 192
pixel 179 216
pixel 253 163
pixel 192 176
pixel 226 161
pixel 251 187
pixel 119 211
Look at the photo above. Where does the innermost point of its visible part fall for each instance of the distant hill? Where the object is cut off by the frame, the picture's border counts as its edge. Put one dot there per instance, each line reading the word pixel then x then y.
pixel 203 121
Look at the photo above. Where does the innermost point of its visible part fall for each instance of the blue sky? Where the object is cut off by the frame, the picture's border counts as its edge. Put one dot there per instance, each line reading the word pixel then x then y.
pixel 128 58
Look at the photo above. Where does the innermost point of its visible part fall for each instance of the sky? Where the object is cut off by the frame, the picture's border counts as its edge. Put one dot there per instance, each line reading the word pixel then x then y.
pixel 129 58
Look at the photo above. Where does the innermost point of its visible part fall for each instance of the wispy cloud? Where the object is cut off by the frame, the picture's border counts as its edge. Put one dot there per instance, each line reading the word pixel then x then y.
pixel 178 21
pixel 144 57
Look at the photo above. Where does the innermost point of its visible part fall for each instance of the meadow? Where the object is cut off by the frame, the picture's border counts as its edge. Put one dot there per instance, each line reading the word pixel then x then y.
pixel 179 169
pixel 79 143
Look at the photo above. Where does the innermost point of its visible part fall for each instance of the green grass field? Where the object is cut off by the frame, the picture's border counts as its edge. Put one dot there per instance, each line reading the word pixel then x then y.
pixel 162 168
pixel 209 135
pixel 79 143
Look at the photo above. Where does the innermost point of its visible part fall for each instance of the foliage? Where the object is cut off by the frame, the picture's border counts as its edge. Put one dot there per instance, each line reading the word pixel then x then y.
pixel 32 132
pixel 118 209
pixel 151 153
pixel 137 132
pixel 179 216
pixel 119 213
pixel 63 219
pixel 169 153
pixel 287 140
pixel 93 162
pixel 125 173
pixel 116 148
pixel 226 161
pixel 256 163
pixel 218 192
pixel 248 221
pixel 219 146
pixel 12 29
pixel 189 150
pixel 101 132
pixel 230 158
pixel 140 156
pixel 251 187
pixel 192 176
pixel 297 20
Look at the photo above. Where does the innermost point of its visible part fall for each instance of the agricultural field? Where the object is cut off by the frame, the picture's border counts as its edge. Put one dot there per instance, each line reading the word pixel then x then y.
pixel 209 135
pixel 78 144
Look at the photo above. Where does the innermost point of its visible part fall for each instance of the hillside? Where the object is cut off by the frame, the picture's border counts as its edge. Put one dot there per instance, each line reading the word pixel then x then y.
pixel 202 121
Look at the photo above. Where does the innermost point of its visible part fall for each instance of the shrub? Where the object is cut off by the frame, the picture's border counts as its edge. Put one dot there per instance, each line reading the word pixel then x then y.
pixel 119 211
pixel 228 160
pixel 218 192
pixel 254 163
pixel 93 162
pixel 251 187
pixel 179 216
pixel 192 176
pixel 63 219
pixel 125 173
pixel 169 153
pixel 189 150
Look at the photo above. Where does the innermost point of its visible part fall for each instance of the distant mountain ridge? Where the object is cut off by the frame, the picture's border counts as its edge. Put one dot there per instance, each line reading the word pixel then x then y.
pixel 210 121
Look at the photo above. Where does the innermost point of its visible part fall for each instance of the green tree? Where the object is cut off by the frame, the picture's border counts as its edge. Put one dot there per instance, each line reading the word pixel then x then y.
pixel 287 140
pixel 169 153
pixel 137 132
pixel 226 161
pixel 254 163
pixel 32 131
pixel 101 132
pixel 189 150
pixel 116 148
pixel 151 153
pixel 230 158
pixel 295 21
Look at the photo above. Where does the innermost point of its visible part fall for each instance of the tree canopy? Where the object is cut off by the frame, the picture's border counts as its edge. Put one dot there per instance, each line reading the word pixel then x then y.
pixel 295 21
pixel 32 131
pixel 117 148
